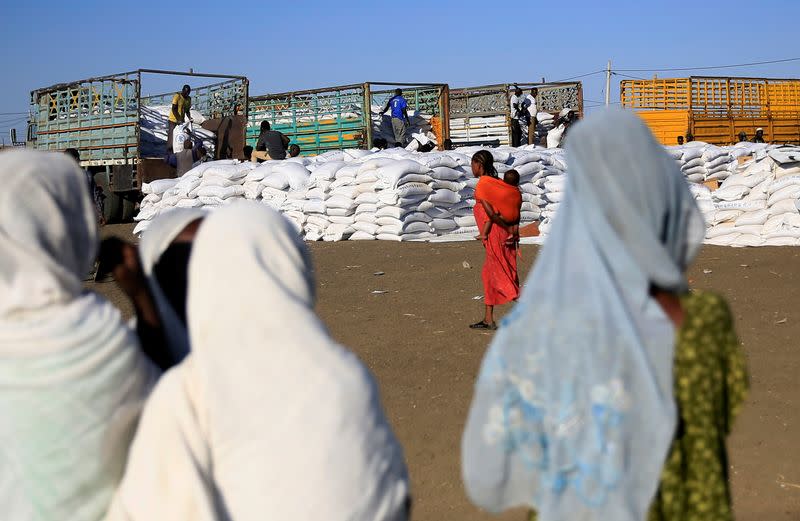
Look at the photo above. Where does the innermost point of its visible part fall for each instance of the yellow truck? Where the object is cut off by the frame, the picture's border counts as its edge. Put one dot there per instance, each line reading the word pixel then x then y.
pixel 716 109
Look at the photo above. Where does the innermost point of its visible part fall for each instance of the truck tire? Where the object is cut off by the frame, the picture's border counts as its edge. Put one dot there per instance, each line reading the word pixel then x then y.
pixel 112 202
pixel 112 207
pixel 128 210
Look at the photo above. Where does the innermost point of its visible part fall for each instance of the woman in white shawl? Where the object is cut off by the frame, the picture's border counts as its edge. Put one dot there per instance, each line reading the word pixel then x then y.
pixel 573 411
pixel 164 252
pixel 267 418
pixel 155 277
pixel 72 377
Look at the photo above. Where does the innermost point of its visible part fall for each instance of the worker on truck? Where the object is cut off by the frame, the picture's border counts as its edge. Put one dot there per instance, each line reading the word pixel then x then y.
pixel 180 111
pixel 759 137
pixel 271 144
pixel 519 118
pixel 185 160
pixel 530 105
pixel 400 121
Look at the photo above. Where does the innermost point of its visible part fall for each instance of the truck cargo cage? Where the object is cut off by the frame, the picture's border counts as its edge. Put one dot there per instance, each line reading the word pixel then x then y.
pixel 120 132
pixel 101 116
pixel 482 114
pixel 716 109
pixel 344 116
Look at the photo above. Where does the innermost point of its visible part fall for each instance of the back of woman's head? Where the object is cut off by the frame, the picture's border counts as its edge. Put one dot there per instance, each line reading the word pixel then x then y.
pixel 486 160
pixel 48 230
pixel 620 177
pixel 248 253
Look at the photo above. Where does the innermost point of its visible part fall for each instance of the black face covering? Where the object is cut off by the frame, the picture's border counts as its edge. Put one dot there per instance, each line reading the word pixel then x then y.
pixel 172 274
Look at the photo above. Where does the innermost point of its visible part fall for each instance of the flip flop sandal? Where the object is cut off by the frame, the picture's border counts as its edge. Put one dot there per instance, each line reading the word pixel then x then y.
pixel 483 325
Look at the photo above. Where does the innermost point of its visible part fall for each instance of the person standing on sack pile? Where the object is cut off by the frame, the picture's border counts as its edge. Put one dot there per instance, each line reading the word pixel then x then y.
pixel 518 118
pixel 261 420
pixel 680 140
pixel 743 137
pixel 499 274
pixel 181 110
pixel 759 137
pixel 73 378
pixel 271 144
pixel 294 150
pixel 530 103
pixel 400 121
pixel 617 405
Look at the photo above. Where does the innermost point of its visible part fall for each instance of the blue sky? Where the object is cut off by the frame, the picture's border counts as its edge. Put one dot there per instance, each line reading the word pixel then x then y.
pixel 297 44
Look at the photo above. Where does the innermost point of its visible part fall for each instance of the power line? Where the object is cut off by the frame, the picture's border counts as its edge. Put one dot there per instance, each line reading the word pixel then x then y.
pixel 13 113
pixel 751 64
pixel 628 76
pixel 579 76
pixel 13 120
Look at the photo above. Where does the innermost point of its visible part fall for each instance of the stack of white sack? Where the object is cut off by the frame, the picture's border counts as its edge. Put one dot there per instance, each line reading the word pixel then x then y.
pixel 545 122
pixel 702 162
pixel 757 205
pixel 395 194
pixel 400 195
pixel 154 126
pixel 422 140
pixel 389 195
pixel 207 185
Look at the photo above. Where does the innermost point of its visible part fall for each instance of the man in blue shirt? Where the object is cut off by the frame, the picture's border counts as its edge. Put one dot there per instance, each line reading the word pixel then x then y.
pixel 400 121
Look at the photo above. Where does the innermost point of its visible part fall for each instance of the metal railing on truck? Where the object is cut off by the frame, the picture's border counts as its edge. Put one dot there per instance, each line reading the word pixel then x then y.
pixel 340 117
pixel 101 117
pixel 716 109
pixel 111 123
pixel 483 113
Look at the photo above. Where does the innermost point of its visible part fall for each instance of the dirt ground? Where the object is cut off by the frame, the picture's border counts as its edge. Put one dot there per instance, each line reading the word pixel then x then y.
pixel 415 339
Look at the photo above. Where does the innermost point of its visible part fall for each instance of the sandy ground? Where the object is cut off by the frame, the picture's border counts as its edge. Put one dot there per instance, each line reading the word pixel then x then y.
pixel 415 339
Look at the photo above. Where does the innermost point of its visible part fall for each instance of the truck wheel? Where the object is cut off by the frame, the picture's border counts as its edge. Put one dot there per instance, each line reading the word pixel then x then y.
pixel 128 210
pixel 112 206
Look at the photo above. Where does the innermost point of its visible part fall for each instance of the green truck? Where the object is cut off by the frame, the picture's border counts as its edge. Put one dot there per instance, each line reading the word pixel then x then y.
pixel 120 131
pixel 335 118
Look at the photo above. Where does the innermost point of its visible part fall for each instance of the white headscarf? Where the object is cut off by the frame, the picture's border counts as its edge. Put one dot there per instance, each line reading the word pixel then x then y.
pixel 155 241
pixel 573 411
pixel 267 418
pixel 72 377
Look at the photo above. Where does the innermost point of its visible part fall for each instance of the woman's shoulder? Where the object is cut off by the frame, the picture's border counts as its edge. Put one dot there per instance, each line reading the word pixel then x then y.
pixel 705 308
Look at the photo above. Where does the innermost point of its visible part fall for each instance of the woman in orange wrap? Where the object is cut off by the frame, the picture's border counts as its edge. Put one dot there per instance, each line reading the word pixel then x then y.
pixel 500 279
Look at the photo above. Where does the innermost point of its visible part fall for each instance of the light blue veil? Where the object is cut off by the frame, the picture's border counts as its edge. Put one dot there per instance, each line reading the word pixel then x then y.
pixel 573 411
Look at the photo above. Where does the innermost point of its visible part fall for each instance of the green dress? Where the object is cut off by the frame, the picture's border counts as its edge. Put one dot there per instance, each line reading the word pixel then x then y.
pixel 710 387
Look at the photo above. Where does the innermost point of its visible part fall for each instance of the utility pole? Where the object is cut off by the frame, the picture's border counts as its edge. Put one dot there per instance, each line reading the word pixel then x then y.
pixel 608 83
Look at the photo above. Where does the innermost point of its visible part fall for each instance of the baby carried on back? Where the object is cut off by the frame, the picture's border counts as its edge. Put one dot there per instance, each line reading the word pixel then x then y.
pixel 502 202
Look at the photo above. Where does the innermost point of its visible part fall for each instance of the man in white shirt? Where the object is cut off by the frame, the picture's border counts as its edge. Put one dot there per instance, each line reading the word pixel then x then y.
pixel 530 103
pixel 518 116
